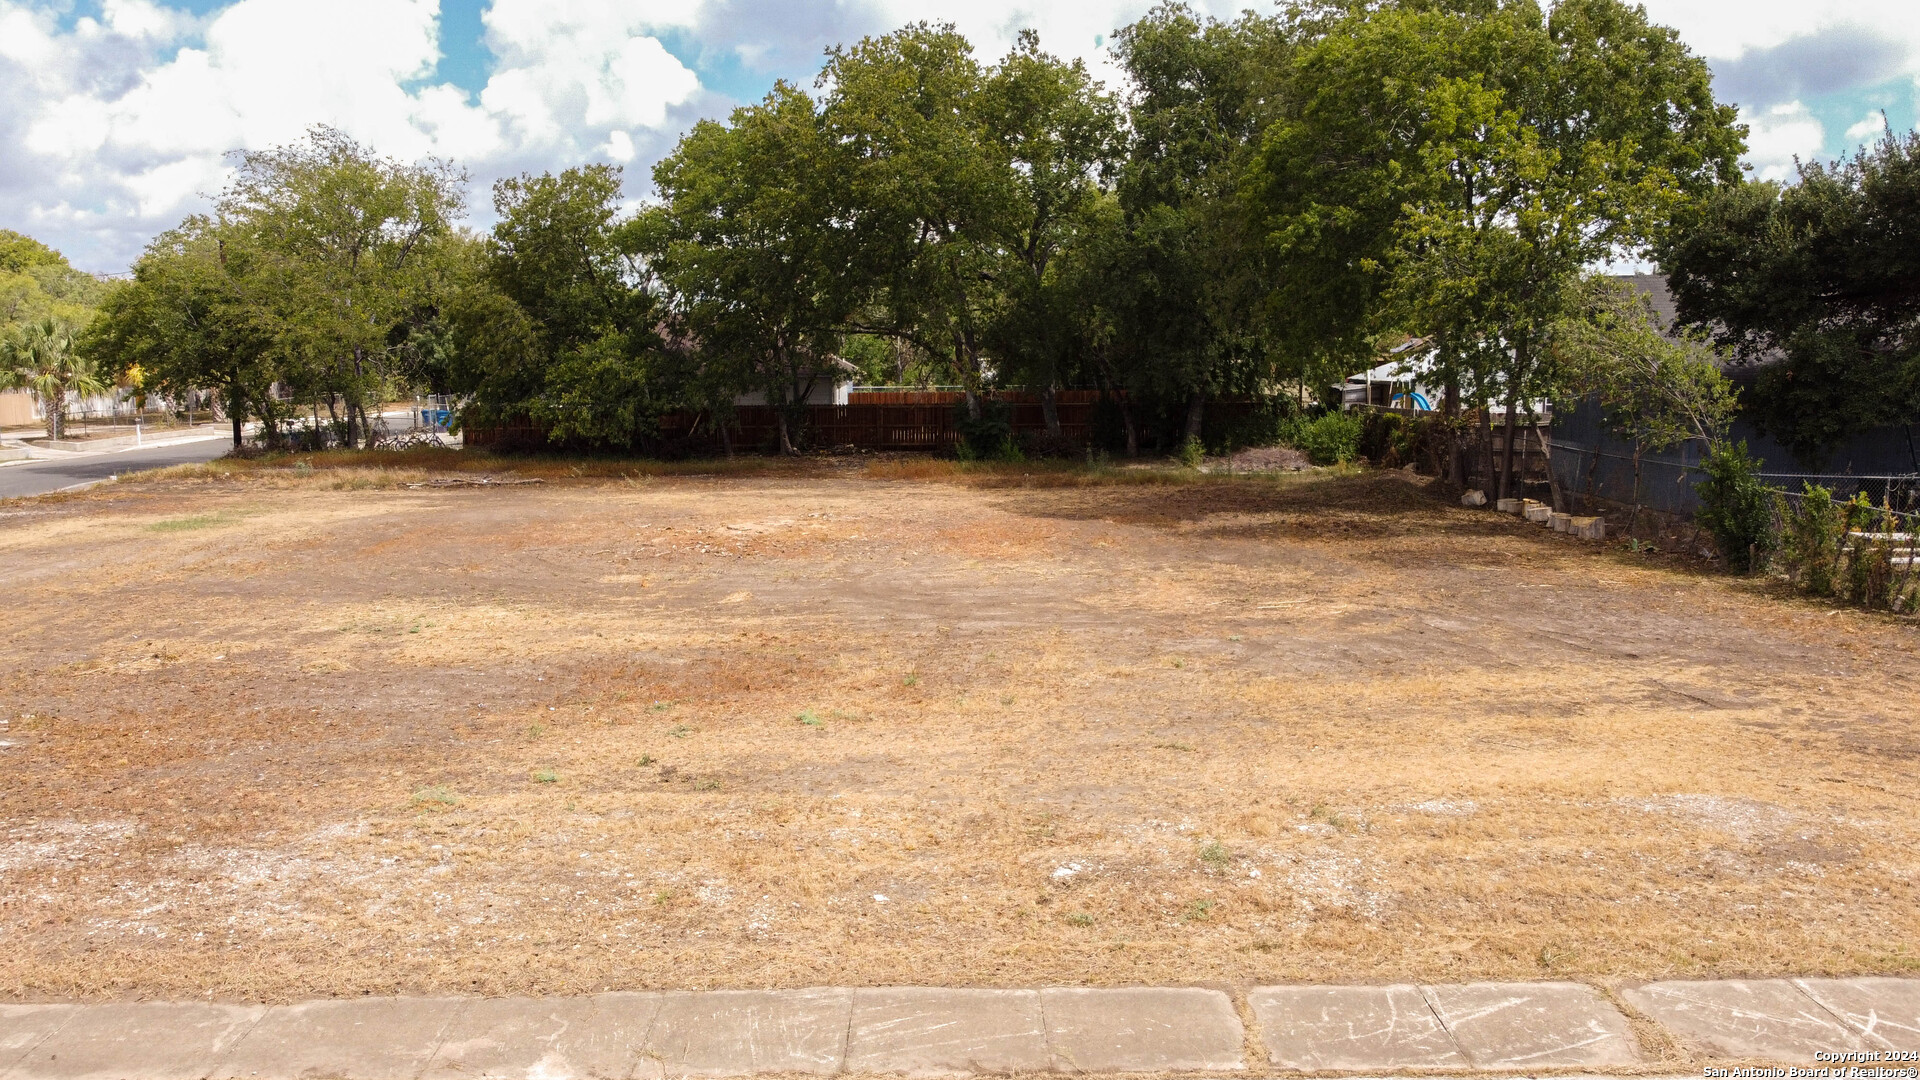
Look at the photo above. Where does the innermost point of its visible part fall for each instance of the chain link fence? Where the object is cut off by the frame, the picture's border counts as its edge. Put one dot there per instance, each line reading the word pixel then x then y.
pixel 1665 481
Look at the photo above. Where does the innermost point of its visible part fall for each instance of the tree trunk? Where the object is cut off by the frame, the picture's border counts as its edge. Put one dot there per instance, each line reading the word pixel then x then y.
pixel 726 436
pixel 1111 385
pixel 1506 452
pixel 1196 413
pixel 1486 444
pixel 1050 411
pixel 1633 525
pixel 1456 469
pixel 358 404
pixel 236 410
pixel 786 436
pixel 1553 482
pixel 1593 474
pixel 967 362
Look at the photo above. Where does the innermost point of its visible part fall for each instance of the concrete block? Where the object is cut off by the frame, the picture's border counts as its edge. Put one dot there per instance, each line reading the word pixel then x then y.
pixel 1473 497
pixel 23 1027
pixel 1142 1030
pixel 1353 1028
pixel 1508 506
pixel 923 1031
pixel 1536 512
pixel 1534 1025
pixel 1886 1012
pixel 357 1039
pixel 1761 1018
pixel 160 1041
pixel 1588 528
pixel 741 1032
pixel 552 1038
pixel 1560 522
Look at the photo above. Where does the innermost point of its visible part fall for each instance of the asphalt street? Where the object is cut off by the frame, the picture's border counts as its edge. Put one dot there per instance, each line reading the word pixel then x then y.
pixel 40 477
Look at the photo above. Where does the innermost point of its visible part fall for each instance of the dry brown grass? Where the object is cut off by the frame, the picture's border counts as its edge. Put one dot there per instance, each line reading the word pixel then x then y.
pixel 283 733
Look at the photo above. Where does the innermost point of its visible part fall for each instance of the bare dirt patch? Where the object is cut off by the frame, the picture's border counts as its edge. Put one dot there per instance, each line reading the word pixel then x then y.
pixel 278 735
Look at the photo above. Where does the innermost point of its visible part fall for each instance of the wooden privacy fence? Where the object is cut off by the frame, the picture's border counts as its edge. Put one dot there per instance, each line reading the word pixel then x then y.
pixel 870 427
pixel 887 420
pixel 882 420
pixel 917 420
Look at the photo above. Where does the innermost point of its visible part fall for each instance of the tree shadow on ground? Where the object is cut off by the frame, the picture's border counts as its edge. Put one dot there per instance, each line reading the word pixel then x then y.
pixel 1327 506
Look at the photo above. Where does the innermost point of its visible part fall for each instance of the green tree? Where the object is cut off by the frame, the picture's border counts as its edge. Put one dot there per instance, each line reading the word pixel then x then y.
pixel 339 241
pixel 19 252
pixel 753 257
pixel 1185 291
pixel 1737 509
pixel 1660 387
pixel 560 327
pixel 40 357
pixel 1060 133
pixel 1656 388
pixel 189 322
pixel 1814 281
pixel 37 281
pixel 927 191
pixel 1518 147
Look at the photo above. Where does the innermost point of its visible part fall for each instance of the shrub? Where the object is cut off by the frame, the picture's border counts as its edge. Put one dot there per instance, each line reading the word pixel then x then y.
pixel 1870 571
pixel 1267 423
pixel 1736 508
pixel 1192 452
pixel 1811 547
pixel 1394 440
pixel 1328 439
pixel 989 438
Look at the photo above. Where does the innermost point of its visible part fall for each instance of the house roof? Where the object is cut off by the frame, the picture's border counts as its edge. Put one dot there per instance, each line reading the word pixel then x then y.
pixel 1655 286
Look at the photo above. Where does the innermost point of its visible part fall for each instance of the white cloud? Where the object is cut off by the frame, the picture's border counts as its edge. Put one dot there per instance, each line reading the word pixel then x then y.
pixel 1779 134
pixel 587 64
pixel 1727 28
pixel 121 124
pixel 1868 129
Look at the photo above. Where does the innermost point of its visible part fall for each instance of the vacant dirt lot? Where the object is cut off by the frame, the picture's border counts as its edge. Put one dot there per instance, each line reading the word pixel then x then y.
pixel 271 736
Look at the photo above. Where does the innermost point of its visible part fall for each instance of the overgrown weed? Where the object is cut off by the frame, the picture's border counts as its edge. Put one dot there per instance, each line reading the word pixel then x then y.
pixel 194 522
pixel 438 796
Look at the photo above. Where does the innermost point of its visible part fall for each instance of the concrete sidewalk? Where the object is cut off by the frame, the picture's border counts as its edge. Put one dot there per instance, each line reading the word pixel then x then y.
pixel 1874 1024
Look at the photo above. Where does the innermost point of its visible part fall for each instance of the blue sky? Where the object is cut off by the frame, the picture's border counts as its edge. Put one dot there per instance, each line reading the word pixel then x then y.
pixel 123 113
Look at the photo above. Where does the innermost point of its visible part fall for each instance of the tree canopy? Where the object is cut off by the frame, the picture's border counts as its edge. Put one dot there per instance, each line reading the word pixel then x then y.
pixel 37 282
pixel 1260 206
pixel 1820 280
pixel 319 262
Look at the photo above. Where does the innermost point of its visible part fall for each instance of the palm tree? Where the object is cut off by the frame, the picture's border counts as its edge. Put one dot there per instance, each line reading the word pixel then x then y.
pixel 41 359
